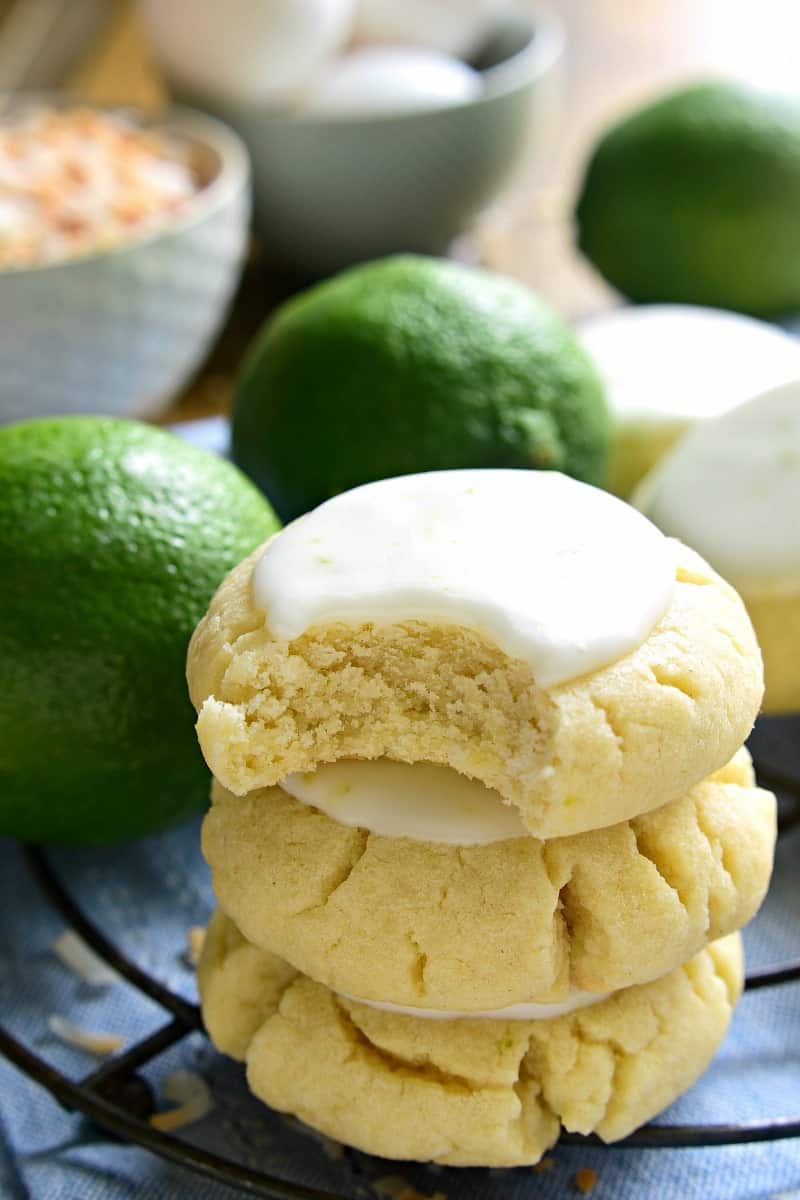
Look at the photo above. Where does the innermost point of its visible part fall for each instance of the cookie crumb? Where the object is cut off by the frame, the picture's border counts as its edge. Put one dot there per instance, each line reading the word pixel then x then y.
pixel 332 1149
pixel 195 936
pixel 390 1185
pixel 544 1164
pixel 395 1187
pixel 585 1179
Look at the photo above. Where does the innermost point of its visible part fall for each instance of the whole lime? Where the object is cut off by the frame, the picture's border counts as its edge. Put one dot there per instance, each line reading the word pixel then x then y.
pixel 695 197
pixel 113 537
pixel 413 364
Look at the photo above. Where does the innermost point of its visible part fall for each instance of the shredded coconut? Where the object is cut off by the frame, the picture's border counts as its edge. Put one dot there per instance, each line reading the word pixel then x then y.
pixel 92 1041
pixel 190 1092
pixel 79 958
pixel 79 180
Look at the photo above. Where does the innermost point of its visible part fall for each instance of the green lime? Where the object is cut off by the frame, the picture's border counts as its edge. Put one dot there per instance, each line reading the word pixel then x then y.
pixel 113 537
pixel 413 364
pixel 695 197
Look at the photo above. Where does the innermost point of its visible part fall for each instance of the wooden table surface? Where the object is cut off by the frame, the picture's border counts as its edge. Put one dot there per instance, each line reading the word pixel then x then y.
pixel 618 52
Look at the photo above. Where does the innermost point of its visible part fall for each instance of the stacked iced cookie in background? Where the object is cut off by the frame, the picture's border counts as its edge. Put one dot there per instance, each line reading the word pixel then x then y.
pixel 731 488
pixel 482 827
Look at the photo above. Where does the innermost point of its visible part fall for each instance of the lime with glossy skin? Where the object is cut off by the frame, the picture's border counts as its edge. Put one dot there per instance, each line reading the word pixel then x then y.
pixel 694 198
pixel 113 537
pixel 413 364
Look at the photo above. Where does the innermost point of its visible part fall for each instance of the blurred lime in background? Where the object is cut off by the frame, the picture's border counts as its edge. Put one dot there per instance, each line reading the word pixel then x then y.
pixel 694 198
pixel 413 364
pixel 113 537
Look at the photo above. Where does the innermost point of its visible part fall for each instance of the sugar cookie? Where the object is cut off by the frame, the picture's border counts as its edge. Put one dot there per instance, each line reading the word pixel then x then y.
pixel 731 489
pixel 574 756
pixel 438 926
pixel 667 367
pixel 464 1092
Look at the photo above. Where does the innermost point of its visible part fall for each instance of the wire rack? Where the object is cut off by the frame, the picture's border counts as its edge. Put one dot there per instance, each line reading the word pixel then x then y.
pixel 117 1098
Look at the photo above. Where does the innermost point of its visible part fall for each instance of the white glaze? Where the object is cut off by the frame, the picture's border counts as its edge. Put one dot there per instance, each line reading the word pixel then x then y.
pixel 731 489
pixel 673 364
pixel 514 1012
pixel 559 574
pixel 420 801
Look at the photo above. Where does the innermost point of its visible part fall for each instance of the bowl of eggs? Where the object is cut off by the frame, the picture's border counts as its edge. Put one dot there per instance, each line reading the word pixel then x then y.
pixel 121 243
pixel 373 126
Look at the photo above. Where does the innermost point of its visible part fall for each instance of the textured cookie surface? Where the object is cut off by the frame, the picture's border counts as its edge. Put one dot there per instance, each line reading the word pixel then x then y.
pixel 731 488
pixel 481 927
pixel 776 618
pixel 468 1092
pixel 579 756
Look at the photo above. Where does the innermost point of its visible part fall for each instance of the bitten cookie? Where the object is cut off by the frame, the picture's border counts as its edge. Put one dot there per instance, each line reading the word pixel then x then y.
pixel 480 927
pixel 466 1092
pixel 641 653
pixel 731 488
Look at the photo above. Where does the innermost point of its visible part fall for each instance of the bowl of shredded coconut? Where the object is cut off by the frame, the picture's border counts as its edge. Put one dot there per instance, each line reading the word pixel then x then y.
pixel 121 243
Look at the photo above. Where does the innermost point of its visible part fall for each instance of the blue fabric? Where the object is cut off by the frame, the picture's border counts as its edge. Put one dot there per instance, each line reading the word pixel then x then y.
pixel 146 895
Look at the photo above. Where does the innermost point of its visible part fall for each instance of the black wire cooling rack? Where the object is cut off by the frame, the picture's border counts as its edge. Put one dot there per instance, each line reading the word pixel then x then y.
pixel 119 1100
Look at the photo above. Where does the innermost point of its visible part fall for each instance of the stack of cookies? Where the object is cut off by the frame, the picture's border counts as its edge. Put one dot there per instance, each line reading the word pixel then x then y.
pixel 483 830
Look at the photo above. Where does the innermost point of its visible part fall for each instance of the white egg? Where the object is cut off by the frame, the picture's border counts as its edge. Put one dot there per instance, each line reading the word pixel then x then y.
pixel 452 26
pixel 392 79
pixel 255 52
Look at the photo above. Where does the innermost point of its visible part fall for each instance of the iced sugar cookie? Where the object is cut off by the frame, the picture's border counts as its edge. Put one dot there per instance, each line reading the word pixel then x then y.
pixel 732 490
pixel 474 1092
pixel 533 633
pixel 463 924
pixel 668 366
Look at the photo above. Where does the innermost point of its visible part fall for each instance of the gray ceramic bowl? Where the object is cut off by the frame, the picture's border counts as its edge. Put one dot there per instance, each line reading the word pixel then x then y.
pixel 121 331
pixel 336 190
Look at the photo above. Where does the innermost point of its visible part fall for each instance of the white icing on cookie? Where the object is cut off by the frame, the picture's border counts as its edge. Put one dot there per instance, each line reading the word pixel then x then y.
pixel 731 490
pixel 673 364
pixel 554 572
pixel 515 1012
pixel 420 801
